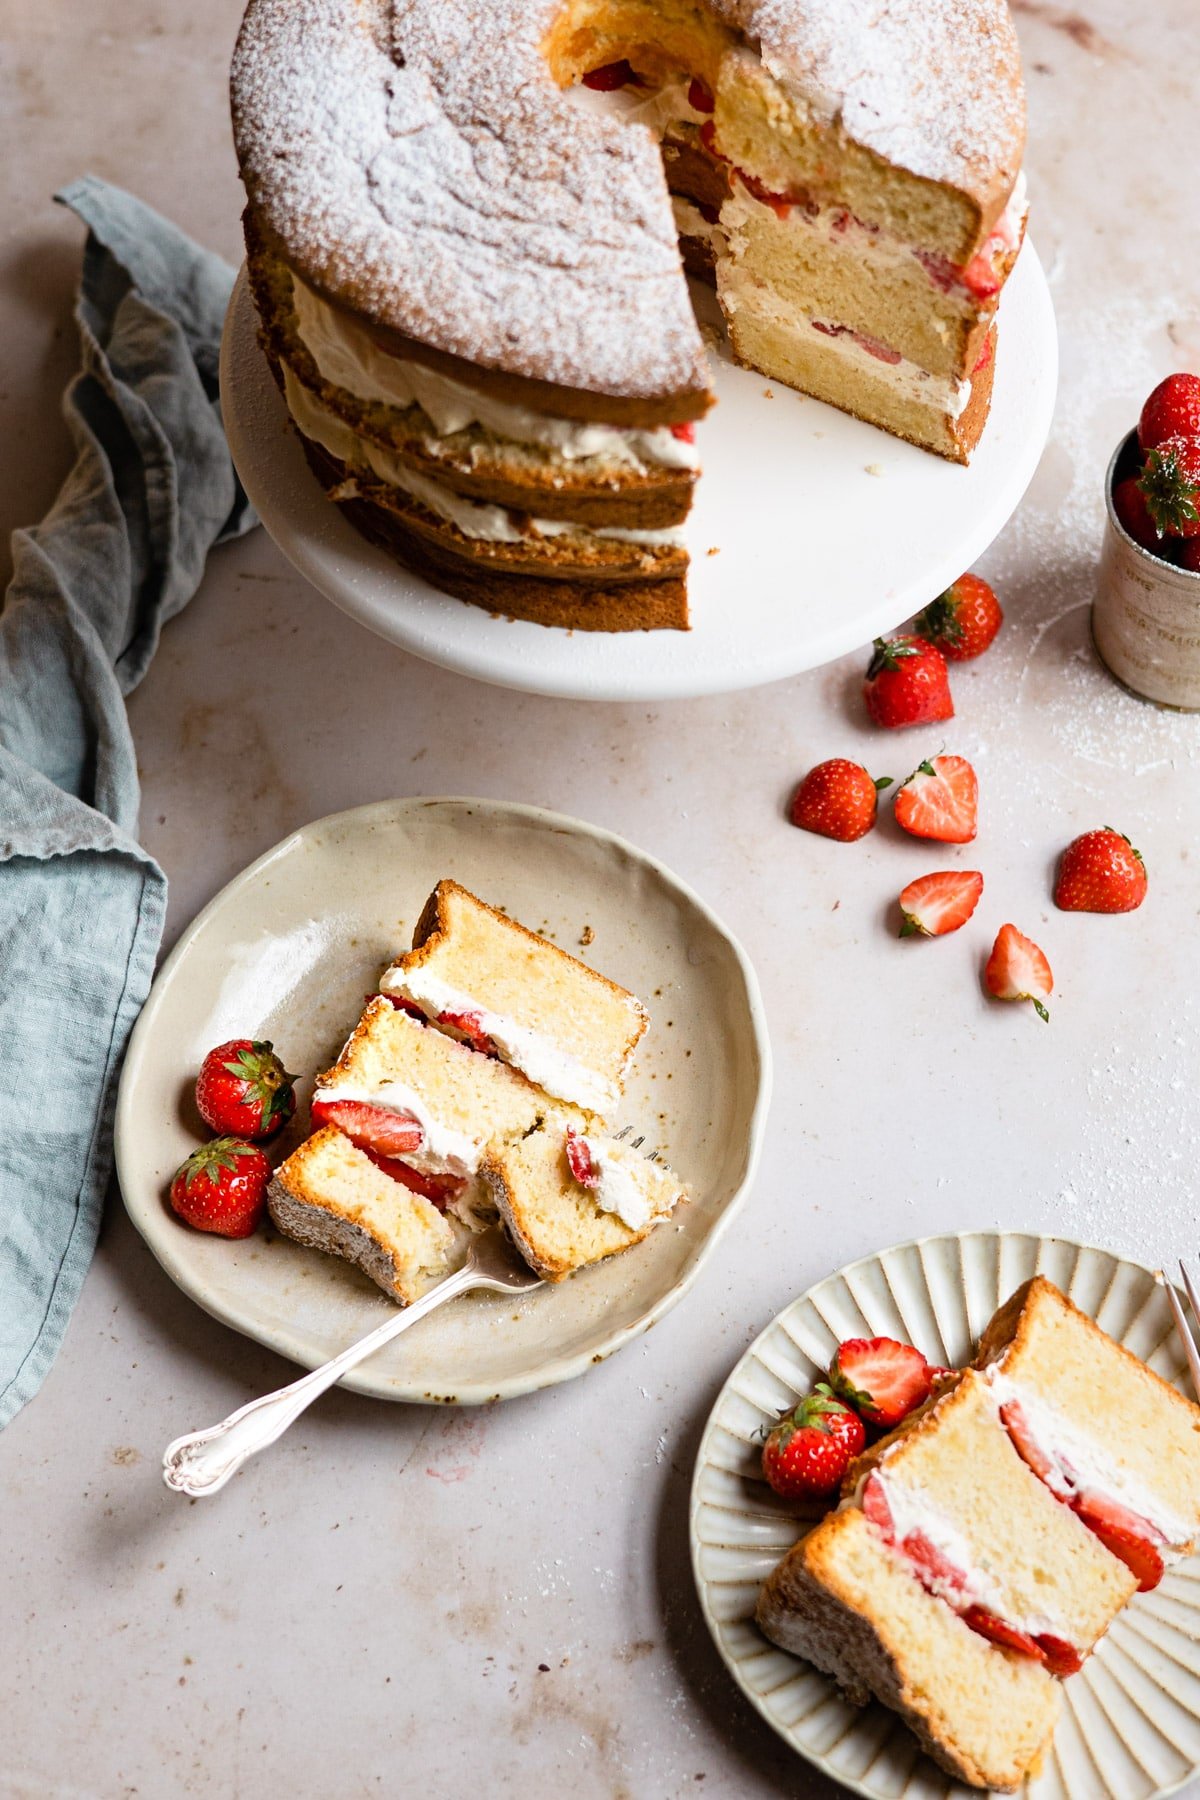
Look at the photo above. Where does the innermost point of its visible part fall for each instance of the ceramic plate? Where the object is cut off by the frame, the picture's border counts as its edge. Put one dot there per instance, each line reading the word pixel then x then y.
pixel 827 531
pixel 290 950
pixel 1130 1724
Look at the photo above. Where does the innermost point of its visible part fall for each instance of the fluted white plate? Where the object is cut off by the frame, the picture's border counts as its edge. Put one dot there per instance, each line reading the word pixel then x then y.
pixel 826 531
pixel 1130 1724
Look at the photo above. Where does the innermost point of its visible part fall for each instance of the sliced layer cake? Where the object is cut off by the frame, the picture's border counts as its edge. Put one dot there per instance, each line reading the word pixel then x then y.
pixel 470 285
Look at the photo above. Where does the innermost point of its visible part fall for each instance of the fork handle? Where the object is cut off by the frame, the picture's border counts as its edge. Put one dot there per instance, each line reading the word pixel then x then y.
pixel 201 1462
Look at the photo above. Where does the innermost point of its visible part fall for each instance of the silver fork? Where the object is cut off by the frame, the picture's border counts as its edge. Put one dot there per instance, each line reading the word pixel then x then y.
pixel 201 1462
pixel 1185 1331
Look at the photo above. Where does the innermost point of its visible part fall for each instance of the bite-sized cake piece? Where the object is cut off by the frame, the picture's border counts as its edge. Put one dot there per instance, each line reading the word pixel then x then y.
pixel 1106 1434
pixel 482 977
pixel 331 1196
pixel 845 1600
pixel 570 1199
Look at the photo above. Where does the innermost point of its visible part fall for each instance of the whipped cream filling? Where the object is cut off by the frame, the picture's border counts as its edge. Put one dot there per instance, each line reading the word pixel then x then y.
pixel 349 358
pixel 913 1510
pixel 1083 1461
pixel 905 378
pixel 616 1188
pixel 474 518
pixel 443 1151
pixel 538 1057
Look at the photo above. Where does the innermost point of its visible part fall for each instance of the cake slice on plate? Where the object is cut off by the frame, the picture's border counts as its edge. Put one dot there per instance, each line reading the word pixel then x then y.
pixel 331 1196
pixel 486 979
pixel 951 1585
pixel 570 1199
pixel 1109 1437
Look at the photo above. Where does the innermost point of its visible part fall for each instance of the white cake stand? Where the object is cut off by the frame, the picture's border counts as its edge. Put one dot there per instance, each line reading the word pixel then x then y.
pixel 825 532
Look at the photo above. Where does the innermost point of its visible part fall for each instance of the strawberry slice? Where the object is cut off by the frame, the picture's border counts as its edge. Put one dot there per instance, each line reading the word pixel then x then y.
pixel 936 904
pixel 700 97
pixel 1017 1425
pixel 470 1026
pixel 403 1004
pixel 440 1189
pixel 940 800
pixel 989 1626
pixel 611 75
pixel 880 1378
pixel 579 1159
pixel 1134 1539
pixel 1061 1658
pixel 1018 970
pixel 934 1568
pixel 370 1127
pixel 875 1506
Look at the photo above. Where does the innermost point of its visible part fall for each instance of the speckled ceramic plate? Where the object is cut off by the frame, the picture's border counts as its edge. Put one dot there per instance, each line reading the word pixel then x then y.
pixel 289 951
pixel 1130 1724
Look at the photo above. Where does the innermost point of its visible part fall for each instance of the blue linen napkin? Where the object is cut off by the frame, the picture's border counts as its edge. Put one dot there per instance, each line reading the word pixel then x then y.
pixel 81 903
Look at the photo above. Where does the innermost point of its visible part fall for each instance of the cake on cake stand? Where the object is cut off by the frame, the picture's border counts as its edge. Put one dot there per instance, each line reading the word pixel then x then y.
pixel 811 532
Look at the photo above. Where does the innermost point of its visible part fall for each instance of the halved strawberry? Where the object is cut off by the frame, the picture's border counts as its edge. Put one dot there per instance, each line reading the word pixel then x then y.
pixel 881 1379
pixel 940 800
pixel 438 1188
pixel 989 1626
pixel 470 1026
pixel 875 1505
pixel 1061 1658
pixel 1134 1539
pixel 579 1159
pixel 1018 970
pixel 936 904
pixel 370 1127
pixel 933 1566
pixel 1013 1418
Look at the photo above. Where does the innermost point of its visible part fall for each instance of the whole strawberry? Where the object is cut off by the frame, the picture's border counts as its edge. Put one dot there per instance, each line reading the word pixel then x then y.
pixel 243 1090
pixel 963 621
pixel 1172 410
pixel 1170 485
pixel 1100 872
pixel 222 1187
pixel 1189 555
pixel 881 1378
pixel 906 683
pixel 837 799
pixel 808 1452
pixel 1129 504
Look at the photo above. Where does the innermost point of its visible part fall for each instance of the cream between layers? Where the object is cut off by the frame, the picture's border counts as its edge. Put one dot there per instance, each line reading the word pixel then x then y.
pixel 348 357
pixel 474 518
pixel 1062 1442
pixel 536 1056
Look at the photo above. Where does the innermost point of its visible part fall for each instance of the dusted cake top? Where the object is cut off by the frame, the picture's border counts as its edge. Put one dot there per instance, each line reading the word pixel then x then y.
pixel 416 161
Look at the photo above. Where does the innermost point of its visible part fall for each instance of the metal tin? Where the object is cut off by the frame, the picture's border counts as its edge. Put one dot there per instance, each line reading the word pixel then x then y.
pixel 1146 613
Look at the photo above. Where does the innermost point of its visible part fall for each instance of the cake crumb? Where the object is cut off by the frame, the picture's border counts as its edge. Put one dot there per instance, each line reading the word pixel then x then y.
pixel 768 393
pixel 587 936
pixel 874 468
pixel 713 550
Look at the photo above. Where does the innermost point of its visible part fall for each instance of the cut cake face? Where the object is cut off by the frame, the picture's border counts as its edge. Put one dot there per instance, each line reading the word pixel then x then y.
pixel 330 1196
pixel 1106 1433
pixel 569 1200
pixel 845 1601
pixel 481 976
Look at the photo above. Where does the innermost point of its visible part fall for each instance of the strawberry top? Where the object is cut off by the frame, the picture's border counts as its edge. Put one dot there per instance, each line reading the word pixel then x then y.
pixel 1170 485
pixel 1172 410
